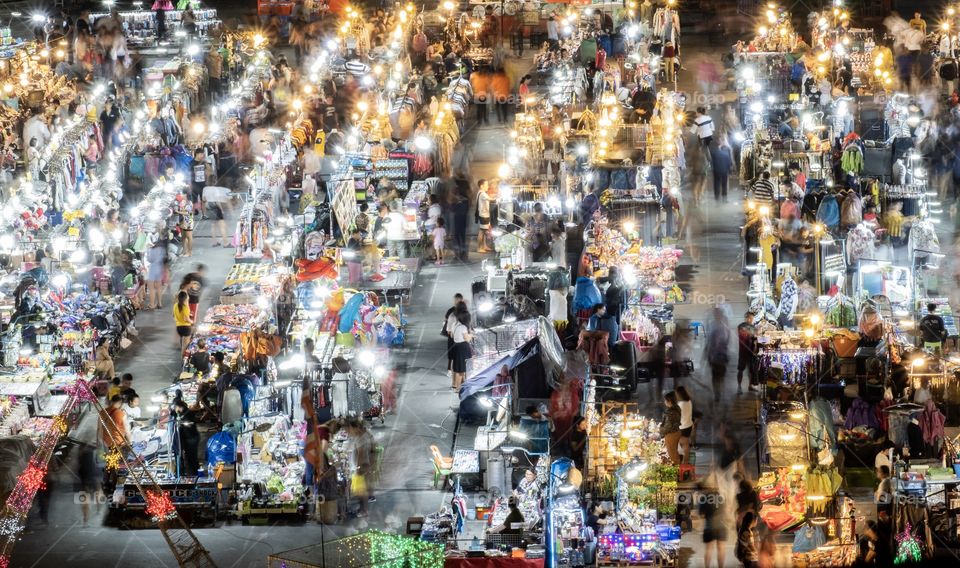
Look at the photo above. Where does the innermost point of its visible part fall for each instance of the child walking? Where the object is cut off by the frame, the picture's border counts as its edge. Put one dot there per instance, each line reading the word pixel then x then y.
pixel 439 236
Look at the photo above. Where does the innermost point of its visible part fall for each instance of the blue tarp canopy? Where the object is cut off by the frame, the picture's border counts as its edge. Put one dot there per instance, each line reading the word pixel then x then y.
pixel 485 378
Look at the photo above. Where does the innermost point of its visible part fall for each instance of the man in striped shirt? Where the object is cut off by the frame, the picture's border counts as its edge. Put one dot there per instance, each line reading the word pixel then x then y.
pixel 763 189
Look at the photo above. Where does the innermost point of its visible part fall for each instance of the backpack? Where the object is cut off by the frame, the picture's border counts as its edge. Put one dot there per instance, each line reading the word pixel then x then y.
pixel 948 70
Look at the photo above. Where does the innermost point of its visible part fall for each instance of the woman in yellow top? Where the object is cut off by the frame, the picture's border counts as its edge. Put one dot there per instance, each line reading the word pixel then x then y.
pixel 182 319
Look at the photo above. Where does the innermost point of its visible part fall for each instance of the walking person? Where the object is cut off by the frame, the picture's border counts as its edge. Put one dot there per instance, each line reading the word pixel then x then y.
pixel 704 127
pixel 439 235
pixel 483 217
pixel 699 166
pixel 201 174
pixel 192 284
pixel 449 322
pixel 500 84
pixel 461 348
pixel 88 485
pixel 186 223
pixel 747 352
pixel 182 320
pixel 156 256
pixel 711 509
pixel 722 162
pixel 461 208
pixel 716 352
pixel 480 81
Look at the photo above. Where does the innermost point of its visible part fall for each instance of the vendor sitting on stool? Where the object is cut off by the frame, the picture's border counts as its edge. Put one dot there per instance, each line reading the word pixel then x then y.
pixel 514 519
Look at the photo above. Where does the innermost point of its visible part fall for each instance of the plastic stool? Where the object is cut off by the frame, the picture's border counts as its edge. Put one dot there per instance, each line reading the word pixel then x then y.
pixel 697 328
pixel 688 472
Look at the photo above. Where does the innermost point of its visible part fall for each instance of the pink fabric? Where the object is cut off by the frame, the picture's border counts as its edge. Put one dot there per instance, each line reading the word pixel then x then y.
pixel 931 423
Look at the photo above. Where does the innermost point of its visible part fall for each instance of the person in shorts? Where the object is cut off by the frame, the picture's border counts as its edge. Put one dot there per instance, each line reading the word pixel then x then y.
pixel 199 175
pixel 711 510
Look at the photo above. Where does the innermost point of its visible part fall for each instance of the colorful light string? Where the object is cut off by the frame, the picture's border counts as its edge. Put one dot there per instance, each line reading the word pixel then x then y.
pixel 159 507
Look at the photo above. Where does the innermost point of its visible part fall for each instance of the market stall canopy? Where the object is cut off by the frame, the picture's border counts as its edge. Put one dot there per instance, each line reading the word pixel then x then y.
pixel 543 347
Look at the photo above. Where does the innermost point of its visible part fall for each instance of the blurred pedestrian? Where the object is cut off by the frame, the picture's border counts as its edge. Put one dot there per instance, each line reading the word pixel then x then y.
pixel 746 352
pixel 716 352
pixel 685 404
pixel 722 162
pixel 480 81
pixel 461 208
pixel 88 484
pixel 710 507
pixel 193 283
pixel 746 549
pixel 500 85
pixel 156 256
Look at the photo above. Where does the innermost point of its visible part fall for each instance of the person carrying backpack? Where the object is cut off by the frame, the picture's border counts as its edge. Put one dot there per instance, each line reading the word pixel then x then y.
pixel 933 331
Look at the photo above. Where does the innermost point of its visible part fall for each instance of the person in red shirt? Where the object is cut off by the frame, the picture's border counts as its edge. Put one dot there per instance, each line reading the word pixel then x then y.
pixel 480 81
pixel 113 424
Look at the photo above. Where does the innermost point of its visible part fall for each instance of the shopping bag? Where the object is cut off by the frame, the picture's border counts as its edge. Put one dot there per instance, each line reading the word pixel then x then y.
pixel 358 484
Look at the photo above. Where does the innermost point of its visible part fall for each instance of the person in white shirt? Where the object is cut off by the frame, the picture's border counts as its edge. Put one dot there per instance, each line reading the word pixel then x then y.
pixel 395 232
pixel 553 34
pixel 685 403
pixel 704 126
pixel 883 457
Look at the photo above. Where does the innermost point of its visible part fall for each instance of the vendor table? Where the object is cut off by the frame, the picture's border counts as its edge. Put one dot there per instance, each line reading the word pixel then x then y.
pixel 396 283
pixel 489 438
pixel 493 562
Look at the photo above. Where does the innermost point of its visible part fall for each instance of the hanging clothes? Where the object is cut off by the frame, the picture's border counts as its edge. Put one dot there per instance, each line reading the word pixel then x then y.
pixel 861 413
pixel 338 394
pixel 828 212
pixel 923 237
pixel 860 243
pixel 789 296
pixel 825 482
pixel 823 433
pixel 931 424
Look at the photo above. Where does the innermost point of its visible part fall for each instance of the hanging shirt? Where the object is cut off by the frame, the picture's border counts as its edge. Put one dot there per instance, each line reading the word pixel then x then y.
pixel 766 249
